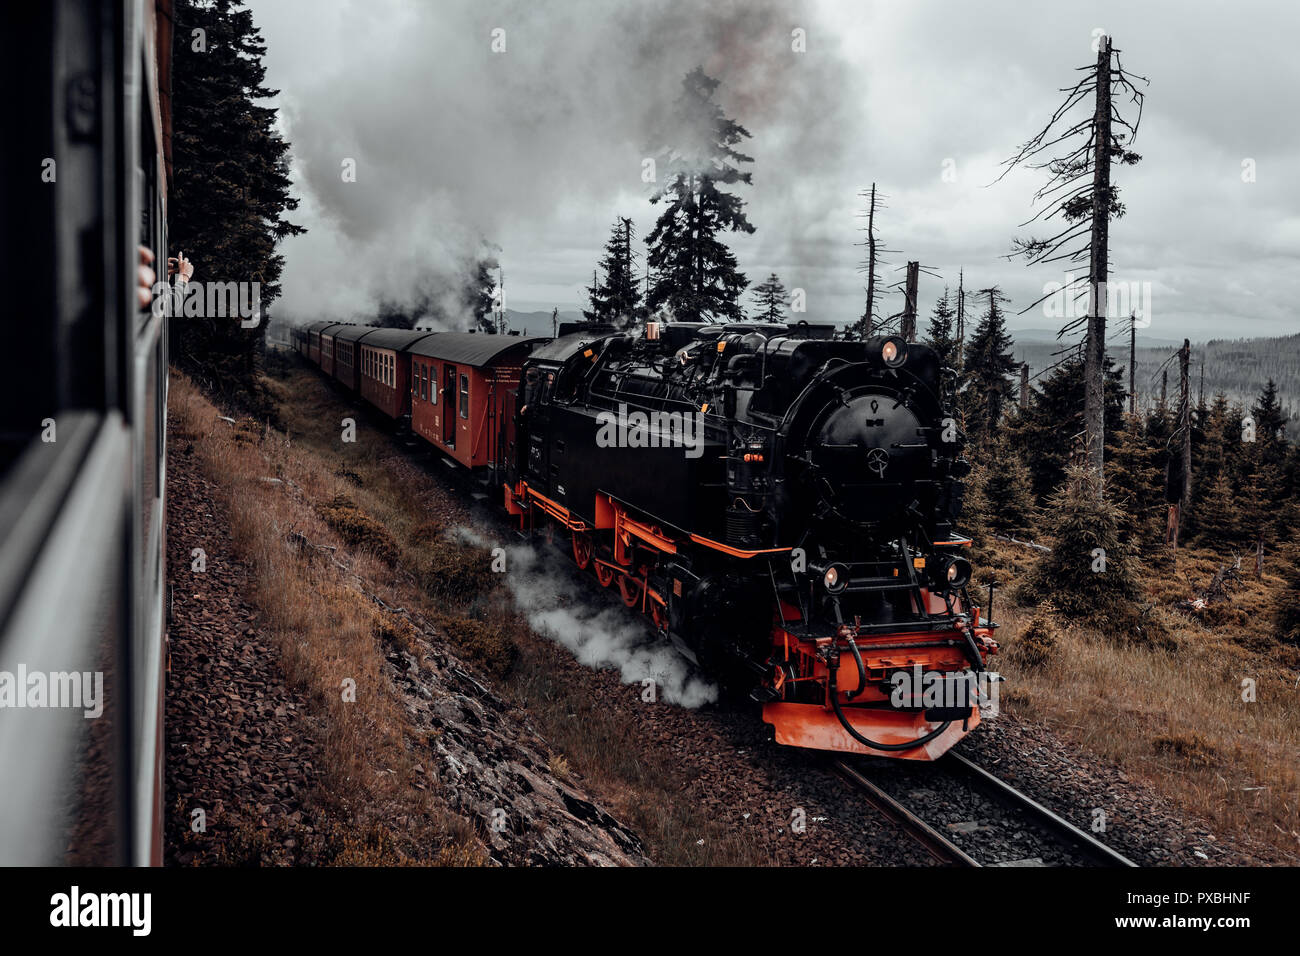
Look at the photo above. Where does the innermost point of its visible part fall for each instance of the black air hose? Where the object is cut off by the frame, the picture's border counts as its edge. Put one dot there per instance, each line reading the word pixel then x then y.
pixel 867 741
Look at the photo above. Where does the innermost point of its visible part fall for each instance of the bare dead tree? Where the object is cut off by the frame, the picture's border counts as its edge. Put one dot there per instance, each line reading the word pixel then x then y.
pixel 867 324
pixel 904 322
pixel 1080 197
pixel 909 306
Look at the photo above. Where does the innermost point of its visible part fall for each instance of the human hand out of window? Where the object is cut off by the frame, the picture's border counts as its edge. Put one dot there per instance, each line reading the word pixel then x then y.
pixel 178 265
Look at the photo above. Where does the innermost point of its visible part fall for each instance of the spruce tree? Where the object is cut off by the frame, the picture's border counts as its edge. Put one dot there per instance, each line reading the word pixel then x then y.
pixel 975 511
pixel 1270 424
pixel 1259 494
pixel 617 299
pixel 1262 488
pixel 988 363
pixel 769 296
pixel 1216 454
pixel 1219 525
pixel 1007 490
pixel 941 335
pixel 1136 482
pixel 695 273
pixel 1047 432
pixel 231 184
pixel 1089 573
pixel 1288 605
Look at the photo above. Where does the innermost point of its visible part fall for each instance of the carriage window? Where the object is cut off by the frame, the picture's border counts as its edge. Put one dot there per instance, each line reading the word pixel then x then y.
pixel 464 396
pixel 433 385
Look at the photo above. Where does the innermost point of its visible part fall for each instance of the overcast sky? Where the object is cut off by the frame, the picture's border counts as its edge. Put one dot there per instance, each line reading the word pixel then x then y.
pixel 536 149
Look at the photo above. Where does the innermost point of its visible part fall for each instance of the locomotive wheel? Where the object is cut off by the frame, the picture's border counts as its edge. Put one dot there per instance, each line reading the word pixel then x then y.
pixel 605 574
pixel 630 588
pixel 582 549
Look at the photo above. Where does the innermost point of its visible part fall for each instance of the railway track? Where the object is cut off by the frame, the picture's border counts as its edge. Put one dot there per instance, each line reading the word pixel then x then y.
pixel 1003 827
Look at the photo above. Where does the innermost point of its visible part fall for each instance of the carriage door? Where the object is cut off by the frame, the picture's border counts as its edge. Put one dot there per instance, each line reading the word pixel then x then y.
pixel 449 405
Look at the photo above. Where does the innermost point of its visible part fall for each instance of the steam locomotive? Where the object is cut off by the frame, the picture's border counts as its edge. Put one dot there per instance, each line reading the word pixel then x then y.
pixel 783 506
pixel 780 503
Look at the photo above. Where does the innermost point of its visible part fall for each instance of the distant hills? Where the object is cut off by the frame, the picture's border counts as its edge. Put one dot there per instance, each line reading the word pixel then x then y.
pixel 1237 367
pixel 538 323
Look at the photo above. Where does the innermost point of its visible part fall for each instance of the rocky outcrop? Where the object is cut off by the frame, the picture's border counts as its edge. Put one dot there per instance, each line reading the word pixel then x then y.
pixel 495 770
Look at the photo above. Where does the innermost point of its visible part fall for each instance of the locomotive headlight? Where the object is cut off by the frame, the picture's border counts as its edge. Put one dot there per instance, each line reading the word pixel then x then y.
pixel 894 352
pixel 889 350
pixel 835 578
pixel 952 572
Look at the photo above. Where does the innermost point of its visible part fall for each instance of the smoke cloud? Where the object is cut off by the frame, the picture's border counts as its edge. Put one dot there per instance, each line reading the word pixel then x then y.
pixel 455 145
pixel 608 636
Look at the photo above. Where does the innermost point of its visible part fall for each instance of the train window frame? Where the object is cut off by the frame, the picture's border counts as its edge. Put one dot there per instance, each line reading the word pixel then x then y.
pixel 434 369
pixel 464 395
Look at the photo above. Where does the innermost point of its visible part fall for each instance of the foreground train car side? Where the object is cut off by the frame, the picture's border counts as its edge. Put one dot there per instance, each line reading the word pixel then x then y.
pixel 82 507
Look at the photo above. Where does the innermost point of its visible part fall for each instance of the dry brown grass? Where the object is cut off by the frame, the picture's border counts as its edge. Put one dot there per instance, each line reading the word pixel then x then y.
pixel 358 529
pixel 1174 716
pixel 485 645
pixel 328 636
